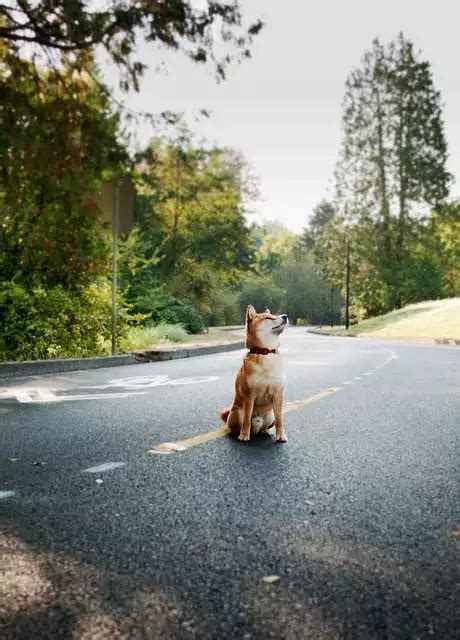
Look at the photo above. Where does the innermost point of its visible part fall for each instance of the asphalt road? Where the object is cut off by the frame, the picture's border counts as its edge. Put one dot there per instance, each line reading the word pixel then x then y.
pixel 350 530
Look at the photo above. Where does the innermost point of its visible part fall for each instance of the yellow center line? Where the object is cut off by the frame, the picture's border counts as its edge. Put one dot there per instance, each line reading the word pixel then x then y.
pixel 202 438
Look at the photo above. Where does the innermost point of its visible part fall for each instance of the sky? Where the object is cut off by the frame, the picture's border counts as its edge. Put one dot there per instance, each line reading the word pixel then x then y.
pixel 282 108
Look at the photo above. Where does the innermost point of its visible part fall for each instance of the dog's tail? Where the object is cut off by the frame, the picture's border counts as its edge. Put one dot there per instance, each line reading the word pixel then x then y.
pixel 224 414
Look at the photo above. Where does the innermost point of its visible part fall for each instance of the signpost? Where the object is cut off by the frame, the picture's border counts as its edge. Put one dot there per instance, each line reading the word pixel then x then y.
pixel 116 201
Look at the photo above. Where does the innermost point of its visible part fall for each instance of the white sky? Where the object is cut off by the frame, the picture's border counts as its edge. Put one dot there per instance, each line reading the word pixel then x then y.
pixel 282 108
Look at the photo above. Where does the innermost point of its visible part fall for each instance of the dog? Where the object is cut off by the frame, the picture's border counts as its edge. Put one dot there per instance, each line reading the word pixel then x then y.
pixel 259 385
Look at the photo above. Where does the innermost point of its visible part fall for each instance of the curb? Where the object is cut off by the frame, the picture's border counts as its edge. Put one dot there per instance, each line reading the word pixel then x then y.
pixel 160 355
pixel 38 367
pixel 446 341
pixel 328 333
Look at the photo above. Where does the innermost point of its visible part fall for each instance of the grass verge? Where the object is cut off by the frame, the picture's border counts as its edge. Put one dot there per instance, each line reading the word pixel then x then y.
pixel 435 319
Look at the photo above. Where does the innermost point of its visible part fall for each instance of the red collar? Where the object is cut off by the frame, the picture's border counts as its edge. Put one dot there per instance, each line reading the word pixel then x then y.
pixel 262 352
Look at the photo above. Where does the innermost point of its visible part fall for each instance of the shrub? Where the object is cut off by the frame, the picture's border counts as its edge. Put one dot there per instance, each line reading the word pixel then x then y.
pixel 224 308
pixel 43 323
pixel 145 337
pixel 162 308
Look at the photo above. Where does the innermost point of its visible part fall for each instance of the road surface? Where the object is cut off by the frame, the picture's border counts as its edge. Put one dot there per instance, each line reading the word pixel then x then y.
pixel 350 530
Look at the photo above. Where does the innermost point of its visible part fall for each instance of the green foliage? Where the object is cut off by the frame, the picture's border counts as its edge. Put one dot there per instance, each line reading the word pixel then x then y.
pixel 214 31
pixel 145 337
pixel 192 238
pixel 391 171
pixel 43 323
pixel 159 307
pixel 224 308
pixel 57 142
pixel 262 292
pixel 443 246
pixel 306 294
pixel 323 213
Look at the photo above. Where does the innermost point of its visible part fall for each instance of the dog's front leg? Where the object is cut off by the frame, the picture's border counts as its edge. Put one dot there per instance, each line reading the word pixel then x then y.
pixel 278 401
pixel 248 407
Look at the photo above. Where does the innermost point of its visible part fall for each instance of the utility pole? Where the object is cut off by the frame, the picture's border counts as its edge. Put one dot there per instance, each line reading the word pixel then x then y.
pixel 331 306
pixel 347 289
pixel 115 233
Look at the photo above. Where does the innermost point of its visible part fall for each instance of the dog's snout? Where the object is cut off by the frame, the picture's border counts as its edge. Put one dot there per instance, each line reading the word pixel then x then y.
pixel 285 318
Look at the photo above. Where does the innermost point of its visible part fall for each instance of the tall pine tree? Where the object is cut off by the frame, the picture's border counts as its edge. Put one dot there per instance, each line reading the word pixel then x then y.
pixel 392 163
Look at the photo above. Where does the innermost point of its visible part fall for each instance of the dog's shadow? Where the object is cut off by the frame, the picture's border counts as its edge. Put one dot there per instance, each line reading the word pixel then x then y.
pixel 257 441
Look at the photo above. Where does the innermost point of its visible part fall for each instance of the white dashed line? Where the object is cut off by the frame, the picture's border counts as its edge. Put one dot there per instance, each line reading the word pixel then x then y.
pixel 348 382
pixel 107 466
pixel 6 494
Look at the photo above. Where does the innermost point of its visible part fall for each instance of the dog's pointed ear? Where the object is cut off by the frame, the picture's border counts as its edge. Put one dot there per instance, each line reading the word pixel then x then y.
pixel 267 311
pixel 250 313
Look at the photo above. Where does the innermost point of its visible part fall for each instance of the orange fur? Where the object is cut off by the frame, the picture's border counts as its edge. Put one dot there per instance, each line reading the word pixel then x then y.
pixel 259 385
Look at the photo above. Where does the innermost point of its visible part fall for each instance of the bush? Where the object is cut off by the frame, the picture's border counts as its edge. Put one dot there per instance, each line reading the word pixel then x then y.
pixel 262 293
pixel 43 323
pixel 162 308
pixel 224 308
pixel 145 337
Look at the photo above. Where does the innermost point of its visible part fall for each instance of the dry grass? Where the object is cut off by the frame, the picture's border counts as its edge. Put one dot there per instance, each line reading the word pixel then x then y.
pixel 435 319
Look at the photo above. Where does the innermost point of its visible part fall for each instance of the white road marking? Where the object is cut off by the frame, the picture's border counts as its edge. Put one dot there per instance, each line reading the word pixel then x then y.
pixel 348 382
pixel 313 362
pixel 147 382
pixel 192 380
pixel 106 466
pixel 39 396
pixel 6 494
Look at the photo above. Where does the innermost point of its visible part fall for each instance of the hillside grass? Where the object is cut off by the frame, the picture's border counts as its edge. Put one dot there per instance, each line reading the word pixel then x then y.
pixel 436 319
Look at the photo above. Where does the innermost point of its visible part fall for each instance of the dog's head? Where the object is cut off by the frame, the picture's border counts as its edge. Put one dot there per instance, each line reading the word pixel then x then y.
pixel 263 329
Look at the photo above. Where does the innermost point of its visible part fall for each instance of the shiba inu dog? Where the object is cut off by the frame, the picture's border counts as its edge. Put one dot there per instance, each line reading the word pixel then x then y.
pixel 259 385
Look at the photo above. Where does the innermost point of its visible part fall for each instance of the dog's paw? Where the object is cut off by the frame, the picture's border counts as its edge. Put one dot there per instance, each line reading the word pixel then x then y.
pixel 244 437
pixel 281 438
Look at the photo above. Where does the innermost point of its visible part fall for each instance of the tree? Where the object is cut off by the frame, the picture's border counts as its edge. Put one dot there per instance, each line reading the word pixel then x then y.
pixel 60 31
pixel 192 231
pixel 322 214
pixel 392 164
pixel 57 142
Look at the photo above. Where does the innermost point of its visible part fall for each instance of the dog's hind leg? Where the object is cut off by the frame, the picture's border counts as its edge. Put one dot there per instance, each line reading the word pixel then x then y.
pixel 232 418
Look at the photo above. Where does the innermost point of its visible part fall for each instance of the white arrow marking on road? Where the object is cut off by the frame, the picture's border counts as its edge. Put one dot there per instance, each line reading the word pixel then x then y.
pixel 6 494
pixel 42 396
pixel 194 380
pixel 314 362
pixel 106 466
pixel 147 382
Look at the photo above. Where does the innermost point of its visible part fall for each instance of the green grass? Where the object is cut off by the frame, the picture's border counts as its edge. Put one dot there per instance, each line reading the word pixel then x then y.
pixel 435 319
pixel 146 337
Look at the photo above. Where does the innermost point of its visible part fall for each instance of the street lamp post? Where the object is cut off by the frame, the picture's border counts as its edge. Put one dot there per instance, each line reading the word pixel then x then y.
pixel 115 233
pixel 347 289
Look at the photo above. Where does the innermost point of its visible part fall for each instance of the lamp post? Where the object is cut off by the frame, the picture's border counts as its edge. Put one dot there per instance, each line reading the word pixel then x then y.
pixel 115 232
pixel 347 288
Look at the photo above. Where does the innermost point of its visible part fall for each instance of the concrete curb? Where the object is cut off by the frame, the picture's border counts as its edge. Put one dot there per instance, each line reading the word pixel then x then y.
pixel 171 354
pixel 329 333
pixel 38 367
pixel 446 341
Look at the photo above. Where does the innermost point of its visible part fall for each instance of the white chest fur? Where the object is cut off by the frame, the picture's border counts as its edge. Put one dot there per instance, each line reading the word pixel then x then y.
pixel 269 371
